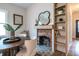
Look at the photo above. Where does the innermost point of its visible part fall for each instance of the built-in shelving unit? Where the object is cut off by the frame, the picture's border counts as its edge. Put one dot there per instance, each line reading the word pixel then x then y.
pixel 60 42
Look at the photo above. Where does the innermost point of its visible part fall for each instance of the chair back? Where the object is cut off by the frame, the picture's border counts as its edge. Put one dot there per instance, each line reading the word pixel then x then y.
pixel 30 45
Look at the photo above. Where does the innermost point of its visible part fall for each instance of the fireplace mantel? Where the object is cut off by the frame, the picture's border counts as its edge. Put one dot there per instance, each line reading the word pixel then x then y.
pixel 45 27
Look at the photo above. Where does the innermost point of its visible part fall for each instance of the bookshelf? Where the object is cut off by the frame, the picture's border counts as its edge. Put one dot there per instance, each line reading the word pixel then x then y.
pixel 60 39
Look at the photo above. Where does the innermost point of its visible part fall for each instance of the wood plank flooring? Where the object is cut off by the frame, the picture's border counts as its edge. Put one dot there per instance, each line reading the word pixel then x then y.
pixel 74 50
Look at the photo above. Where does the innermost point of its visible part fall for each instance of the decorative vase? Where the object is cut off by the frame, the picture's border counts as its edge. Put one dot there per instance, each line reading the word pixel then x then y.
pixel 12 34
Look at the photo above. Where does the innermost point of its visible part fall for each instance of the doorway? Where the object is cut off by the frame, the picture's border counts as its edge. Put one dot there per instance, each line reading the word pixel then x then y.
pixel 73 50
pixel 77 28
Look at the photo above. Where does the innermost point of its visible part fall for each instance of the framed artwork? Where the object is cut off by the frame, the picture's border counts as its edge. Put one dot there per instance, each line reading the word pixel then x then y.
pixel 17 19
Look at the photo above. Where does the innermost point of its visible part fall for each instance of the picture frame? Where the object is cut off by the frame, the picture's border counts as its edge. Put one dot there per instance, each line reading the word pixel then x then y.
pixel 17 19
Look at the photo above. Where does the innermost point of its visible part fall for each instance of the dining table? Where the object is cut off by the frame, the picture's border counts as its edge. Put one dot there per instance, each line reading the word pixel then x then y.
pixel 10 49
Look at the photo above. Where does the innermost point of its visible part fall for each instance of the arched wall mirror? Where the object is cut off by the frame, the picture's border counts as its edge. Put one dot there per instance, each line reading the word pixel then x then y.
pixel 44 18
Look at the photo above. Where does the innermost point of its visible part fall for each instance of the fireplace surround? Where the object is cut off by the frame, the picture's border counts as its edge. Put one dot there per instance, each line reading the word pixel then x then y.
pixel 44 42
pixel 44 37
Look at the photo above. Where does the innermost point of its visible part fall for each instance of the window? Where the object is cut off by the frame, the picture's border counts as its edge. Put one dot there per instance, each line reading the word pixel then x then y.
pixel 2 22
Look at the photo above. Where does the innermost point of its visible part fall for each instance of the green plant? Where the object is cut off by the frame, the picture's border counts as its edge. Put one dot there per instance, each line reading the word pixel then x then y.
pixel 9 27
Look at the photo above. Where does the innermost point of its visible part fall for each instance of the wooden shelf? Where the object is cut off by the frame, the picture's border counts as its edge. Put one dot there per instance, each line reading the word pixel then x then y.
pixel 59 14
pixel 58 53
pixel 61 37
pixel 60 7
pixel 60 43
pixel 60 22
pixel 63 40
pixel 60 48
pixel 59 30
pixel 60 34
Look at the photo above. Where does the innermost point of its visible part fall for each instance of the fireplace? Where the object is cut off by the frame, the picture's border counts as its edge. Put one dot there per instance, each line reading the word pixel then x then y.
pixel 44 41
pixel 44 37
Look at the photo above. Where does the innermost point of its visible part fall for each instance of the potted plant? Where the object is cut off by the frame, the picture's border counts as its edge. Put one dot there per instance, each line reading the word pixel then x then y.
pixel 12 30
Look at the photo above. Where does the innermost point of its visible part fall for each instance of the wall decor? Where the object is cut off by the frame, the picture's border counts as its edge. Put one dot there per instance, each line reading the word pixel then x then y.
pixel 44 18
pixel 17 19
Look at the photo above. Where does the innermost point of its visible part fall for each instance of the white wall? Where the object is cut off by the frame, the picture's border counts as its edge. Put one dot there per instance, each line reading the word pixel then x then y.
pixel 32 14
pixel 75 16
pixel 11 9
pixel 69 27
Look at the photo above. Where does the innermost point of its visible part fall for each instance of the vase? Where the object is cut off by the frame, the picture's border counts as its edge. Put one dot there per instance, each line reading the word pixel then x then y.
pixel 12 34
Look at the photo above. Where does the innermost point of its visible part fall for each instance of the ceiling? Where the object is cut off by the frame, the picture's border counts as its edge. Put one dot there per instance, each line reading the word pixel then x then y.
pixel 74 7
pixel 23 5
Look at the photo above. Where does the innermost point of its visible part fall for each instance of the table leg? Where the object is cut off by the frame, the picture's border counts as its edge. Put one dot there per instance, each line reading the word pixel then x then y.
pixel 11 51
pixel 6 52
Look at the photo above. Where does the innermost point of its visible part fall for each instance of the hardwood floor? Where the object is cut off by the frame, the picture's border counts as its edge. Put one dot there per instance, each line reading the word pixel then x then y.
pixel 74 50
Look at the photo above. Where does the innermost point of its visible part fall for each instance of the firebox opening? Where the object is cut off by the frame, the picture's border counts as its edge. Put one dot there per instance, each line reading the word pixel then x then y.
pixel 44 40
